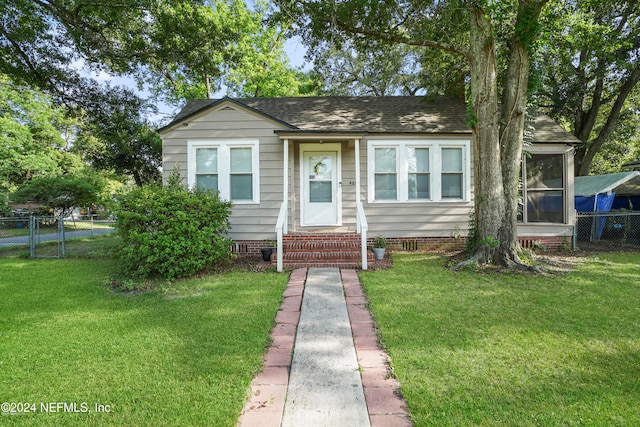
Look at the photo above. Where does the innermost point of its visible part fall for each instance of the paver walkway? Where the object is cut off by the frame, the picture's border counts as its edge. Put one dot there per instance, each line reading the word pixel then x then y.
pixel 331 392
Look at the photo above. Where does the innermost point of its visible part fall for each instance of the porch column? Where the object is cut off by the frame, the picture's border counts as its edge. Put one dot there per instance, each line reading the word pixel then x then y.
pixel 361 219
pixel 285 182
pixel 357 157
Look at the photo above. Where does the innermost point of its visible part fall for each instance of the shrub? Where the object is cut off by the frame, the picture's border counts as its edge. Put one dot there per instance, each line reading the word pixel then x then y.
pixel 171 231
pixel 380 242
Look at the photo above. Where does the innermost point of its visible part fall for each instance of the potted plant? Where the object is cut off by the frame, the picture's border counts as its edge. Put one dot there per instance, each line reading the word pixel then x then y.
pixel 267 250
pixel 379 245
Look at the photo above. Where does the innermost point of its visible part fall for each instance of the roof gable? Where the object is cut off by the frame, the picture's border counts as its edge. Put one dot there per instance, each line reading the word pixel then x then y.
pixel 198 107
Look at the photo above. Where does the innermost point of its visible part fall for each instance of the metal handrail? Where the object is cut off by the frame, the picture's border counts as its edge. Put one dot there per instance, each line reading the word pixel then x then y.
pixel 361 227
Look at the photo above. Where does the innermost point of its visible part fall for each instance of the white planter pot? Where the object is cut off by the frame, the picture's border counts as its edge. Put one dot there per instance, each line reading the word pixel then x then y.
pixel 379 253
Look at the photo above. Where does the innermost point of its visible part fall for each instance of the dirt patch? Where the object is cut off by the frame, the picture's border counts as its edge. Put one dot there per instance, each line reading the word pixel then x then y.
pixel 557 263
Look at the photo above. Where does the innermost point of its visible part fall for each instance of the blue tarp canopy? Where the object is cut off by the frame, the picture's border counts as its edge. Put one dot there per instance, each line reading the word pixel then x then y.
pixel 597 203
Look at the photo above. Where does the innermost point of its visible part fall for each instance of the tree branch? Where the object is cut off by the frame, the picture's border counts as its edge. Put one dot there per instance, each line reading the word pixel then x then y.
pixel 611 122
pixel 395 38
pixel 588 118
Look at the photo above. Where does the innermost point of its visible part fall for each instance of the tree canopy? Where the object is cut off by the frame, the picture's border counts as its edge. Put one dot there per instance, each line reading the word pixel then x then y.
pixel 590 69
pixel 177 50
pixel 31 136
pixel 373 68
pixel 119 138
pixel 181 49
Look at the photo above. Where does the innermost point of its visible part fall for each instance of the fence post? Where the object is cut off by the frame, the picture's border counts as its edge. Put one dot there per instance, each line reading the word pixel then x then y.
pixel 32 224
pixel 61 237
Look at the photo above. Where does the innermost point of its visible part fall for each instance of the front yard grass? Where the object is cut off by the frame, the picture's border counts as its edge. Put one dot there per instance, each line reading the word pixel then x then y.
pixel 181 355
pixel 512 349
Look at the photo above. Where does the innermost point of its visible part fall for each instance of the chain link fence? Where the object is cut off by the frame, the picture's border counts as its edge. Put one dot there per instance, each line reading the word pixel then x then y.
pixel 608 230
pixel 49 236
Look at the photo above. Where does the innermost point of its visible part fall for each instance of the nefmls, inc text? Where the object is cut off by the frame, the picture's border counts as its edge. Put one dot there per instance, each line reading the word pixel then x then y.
pixel 73 407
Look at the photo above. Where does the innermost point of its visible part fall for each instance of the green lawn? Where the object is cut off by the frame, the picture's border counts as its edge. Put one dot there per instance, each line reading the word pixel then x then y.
pixel 182 355
pixel 506 350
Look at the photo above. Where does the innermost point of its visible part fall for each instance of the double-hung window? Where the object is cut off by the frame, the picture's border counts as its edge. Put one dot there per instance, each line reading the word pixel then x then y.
pixel 419 178
pixel 418 170
pixel 230 167
pixel 207 168
pixel 452 173
pixel 241 173
pixel 386 173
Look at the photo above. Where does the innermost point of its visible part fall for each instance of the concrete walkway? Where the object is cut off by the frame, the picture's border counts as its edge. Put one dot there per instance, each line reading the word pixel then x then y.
pixel 325 388
pixel 339 375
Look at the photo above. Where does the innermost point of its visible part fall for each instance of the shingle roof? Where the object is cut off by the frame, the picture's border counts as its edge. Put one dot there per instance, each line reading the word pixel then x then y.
pixel 547 130
pixel 371 114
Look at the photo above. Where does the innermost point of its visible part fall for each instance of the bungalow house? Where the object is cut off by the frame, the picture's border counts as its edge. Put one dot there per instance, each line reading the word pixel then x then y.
pixel 322 175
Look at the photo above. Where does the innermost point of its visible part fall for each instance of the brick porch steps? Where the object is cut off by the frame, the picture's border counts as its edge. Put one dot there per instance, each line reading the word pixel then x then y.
pixel 341 250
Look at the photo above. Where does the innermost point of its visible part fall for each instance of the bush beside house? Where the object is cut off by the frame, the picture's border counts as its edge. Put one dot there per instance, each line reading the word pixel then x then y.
pixel 172 232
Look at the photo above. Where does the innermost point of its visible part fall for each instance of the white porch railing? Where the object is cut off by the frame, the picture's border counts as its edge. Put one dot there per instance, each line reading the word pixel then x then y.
pixel 281 228
pixel 362 227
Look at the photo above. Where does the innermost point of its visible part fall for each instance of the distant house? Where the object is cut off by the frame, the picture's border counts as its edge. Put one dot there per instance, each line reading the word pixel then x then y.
pixel 327 167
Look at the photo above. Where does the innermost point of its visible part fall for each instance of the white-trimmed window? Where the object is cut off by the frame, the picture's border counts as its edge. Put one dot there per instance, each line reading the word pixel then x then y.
pixel 418 170
pixel 419 178
pixel 543 188
pixel 386 173
pixel 230 167
pixel 452 173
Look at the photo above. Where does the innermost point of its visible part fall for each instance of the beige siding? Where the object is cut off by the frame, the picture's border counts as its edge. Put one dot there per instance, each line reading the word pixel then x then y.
pixel 425 219
pixel 349 186
pixel 248 221
pixel 540 230
pixel 418 220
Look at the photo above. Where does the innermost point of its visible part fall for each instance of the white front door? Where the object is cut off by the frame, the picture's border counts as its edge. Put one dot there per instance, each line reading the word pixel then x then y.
pixel 320 184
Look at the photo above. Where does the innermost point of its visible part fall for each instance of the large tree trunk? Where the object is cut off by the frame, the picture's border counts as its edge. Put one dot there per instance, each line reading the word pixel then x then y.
pixel 489 191
pixel 498 138
pixel 514 106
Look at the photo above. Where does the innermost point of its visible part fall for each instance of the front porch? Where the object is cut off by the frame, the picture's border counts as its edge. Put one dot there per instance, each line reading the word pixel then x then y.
pixel 321 220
